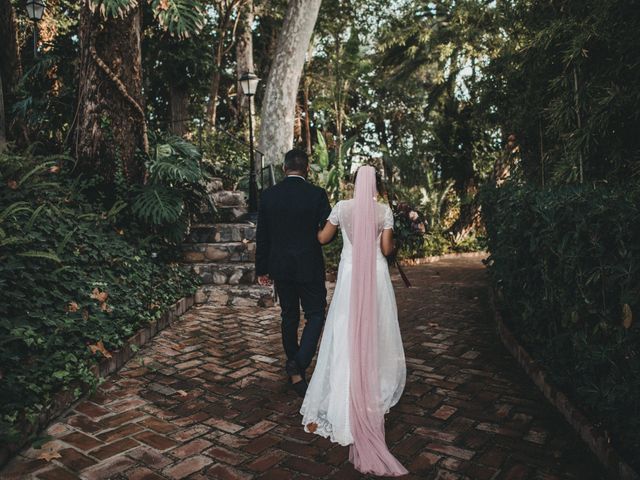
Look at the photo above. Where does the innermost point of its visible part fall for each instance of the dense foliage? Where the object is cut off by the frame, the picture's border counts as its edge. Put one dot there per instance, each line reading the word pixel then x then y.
pixel 566 82
pixel 74 285
pixel 563 230
pixel 567 265
pixel 443 96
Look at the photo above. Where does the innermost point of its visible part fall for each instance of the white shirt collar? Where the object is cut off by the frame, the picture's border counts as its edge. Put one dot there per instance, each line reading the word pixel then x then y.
pixel 297 176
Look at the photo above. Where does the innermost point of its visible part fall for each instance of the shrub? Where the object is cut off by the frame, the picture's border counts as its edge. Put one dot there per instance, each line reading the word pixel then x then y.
pixel 566 263
pixel 174 192
pixel 227 159
pixel 71 283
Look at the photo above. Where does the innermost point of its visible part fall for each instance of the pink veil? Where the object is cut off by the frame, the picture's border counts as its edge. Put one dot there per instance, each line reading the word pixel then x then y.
pixel 369 452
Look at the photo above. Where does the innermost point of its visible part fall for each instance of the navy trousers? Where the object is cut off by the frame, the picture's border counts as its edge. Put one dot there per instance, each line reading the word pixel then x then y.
pixel 313 298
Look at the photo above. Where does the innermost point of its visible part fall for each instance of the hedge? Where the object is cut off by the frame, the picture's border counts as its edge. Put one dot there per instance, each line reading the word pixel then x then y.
pixel 566 264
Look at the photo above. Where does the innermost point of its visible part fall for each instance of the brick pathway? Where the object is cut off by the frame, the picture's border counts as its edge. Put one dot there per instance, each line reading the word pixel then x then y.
pixel 207 399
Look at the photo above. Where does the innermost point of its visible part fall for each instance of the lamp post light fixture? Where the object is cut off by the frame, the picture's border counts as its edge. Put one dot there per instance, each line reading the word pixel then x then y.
pixel 249 83
pixel 35 11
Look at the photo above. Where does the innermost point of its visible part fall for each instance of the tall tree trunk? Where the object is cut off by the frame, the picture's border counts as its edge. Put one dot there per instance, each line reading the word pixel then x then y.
pixel 307 116
pixel 244 58
pixel 212 112
pixel 469 217
pixel 178 109
pixel 110 130
pixel 10 64
pixel 226 12
pixel 3 121
pixel 278 108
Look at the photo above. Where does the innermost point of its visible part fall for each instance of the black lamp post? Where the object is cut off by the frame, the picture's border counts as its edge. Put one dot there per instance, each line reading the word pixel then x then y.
pixel 249 83
pixel 35 11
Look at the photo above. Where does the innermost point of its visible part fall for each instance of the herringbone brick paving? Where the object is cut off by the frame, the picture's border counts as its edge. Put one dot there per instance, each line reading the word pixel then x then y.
pixel 207 398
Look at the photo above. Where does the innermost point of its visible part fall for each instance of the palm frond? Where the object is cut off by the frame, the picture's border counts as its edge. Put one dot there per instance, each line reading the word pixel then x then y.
pixel 180 18
pixel 158 205
pixel 112 8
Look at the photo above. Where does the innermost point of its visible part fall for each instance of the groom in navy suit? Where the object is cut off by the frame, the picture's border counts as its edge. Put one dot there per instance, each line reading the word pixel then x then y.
pixel 289 254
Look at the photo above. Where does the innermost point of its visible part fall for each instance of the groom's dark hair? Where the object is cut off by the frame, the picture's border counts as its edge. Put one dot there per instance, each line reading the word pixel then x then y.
pixel 296 160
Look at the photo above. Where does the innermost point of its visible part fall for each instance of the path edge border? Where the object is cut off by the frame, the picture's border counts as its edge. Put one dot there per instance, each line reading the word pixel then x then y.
pixel 62 401
pixel 436 258
pixel 615 466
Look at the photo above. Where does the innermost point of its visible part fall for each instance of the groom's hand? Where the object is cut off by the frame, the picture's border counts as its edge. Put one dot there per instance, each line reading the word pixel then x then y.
pixel 264 280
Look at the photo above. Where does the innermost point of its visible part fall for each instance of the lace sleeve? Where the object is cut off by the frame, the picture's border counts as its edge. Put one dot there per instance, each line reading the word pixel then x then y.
pixel 388 218
pixel 334 216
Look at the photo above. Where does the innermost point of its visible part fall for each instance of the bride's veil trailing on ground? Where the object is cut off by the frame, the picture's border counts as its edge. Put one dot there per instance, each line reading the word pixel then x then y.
pixel 369 452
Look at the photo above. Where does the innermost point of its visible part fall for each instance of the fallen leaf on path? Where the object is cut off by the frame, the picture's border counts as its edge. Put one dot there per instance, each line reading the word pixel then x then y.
pixel 627 316
pixel 100 296
pixel 105 308
pixel 49 454
pixel 182 393
pixel 99 347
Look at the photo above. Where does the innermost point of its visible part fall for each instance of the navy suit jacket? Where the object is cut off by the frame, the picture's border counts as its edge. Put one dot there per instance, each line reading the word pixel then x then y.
pixel 290 214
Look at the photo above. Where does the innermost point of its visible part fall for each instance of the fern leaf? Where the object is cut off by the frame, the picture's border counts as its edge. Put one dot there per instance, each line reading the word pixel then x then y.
pixel 65 240
pixel 41 254
pixel 4 242
pixel 13 209
pixel 34 170
pixel 34 216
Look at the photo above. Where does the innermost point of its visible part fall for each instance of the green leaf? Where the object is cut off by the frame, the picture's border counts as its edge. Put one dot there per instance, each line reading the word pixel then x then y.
pixel 181 18
pixel 34 216
pixel 112 8
pixel 322 151
pixel 158 205
pixel 13 209
pixel 41 254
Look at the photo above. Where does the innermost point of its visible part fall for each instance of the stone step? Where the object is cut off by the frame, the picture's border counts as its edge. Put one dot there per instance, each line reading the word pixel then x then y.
pixel 221 232
pixel 214 185
pixel 226 198
pixel 235 295
pixel 219 252
pixel 230 214
pixel 224 273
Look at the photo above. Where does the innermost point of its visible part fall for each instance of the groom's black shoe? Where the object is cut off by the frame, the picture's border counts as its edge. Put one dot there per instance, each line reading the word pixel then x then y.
pixel 292 370
pixel 291 367
pixel 300 387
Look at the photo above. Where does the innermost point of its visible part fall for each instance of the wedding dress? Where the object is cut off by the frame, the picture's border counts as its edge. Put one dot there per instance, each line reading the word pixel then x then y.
pixel 360 372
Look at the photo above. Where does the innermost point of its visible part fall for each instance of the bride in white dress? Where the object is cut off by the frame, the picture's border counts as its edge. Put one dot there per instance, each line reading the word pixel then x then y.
pixel 360 373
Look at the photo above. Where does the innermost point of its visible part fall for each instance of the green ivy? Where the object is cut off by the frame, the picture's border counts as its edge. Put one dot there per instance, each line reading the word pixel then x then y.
pixel 60 255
